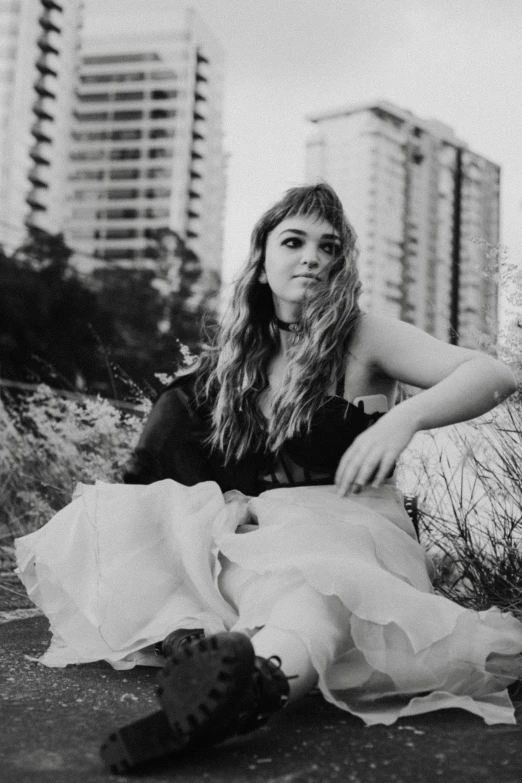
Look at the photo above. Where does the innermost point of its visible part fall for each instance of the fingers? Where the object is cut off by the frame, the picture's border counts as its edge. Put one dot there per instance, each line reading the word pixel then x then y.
pixel 358 468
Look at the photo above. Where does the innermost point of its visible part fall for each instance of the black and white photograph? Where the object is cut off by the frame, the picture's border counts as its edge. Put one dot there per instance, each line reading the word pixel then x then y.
pixel 261 391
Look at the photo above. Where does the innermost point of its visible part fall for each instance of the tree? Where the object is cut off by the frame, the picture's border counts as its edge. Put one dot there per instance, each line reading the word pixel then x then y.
pixel 50 322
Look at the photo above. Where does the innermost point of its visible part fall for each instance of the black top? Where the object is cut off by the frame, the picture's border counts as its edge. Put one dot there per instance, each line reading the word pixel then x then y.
pixel 172 446
pixel 335 426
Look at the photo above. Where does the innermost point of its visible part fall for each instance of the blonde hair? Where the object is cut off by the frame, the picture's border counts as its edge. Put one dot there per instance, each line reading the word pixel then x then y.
pixel 235 368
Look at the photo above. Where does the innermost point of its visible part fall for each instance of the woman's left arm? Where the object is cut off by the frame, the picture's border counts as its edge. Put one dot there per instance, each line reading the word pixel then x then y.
pixel 458 383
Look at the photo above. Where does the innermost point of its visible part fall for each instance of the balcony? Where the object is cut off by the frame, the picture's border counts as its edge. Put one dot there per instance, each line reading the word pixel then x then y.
pixel 43 87
pixel 43 108
pixel 37 176
pixel 52 5
pixel 50 20
pixel 40 131
pixel 49 42
pixel 38 154
pixel 44 66
pixel 34 200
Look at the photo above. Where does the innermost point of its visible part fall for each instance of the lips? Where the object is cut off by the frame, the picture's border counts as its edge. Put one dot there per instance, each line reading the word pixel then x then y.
pixel 308 277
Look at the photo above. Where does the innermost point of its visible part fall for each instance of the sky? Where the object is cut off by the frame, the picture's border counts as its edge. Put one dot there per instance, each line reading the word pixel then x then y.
pixel 458 61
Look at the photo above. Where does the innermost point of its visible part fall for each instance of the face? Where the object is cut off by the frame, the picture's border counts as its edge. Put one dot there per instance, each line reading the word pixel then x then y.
pixel 297 254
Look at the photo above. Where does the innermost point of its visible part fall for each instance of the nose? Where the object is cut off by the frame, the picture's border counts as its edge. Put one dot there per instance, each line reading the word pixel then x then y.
pixel 309 255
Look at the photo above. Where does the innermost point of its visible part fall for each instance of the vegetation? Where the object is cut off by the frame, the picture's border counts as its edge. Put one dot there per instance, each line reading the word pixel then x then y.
pixel 468 478
pixel 92 333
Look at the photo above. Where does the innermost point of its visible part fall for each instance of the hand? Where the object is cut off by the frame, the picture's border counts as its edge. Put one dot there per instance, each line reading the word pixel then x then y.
pixel 374 452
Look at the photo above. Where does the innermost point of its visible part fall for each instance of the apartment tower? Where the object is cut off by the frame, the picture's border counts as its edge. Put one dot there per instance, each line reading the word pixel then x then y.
pixel 147 146
pixel 426 212
pixel 39 47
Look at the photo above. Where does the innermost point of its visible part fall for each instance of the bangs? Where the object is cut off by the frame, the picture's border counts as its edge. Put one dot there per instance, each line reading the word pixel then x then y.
pixel 319 202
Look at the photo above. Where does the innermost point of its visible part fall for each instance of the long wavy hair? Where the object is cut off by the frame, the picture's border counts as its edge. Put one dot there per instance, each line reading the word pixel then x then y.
pixel 234 368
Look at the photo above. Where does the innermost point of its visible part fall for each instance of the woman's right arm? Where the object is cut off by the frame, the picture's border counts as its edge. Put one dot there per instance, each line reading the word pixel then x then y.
pixel 171 444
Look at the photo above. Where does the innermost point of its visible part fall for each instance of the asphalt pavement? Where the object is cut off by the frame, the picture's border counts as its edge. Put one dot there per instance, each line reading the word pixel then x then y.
pixel 53 721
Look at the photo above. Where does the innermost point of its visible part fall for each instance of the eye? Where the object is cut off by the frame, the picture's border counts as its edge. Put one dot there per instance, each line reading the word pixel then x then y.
pixel 330 248
pixel 292 242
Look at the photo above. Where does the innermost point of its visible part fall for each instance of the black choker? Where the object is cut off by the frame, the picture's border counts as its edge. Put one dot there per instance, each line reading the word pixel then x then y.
pixel 292 326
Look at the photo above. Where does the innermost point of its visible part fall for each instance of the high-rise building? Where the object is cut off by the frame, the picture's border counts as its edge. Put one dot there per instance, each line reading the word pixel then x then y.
pixel 426 212
pixel 39 42
pixel 147 147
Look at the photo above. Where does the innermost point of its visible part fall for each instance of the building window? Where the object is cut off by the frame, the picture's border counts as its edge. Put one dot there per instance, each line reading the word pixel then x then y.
pixel 88 155
pixel 124 174
pixel 121 116
pixel 94 136
pixel 162 133
pixel 125 153
pixel 87 175
pixel 121 233
pixel 160 152
pixel 162 95
pixel 110 59
pixel 129 96
pixel 157 193
pixel 88 195
pixel 123 193
pixel 126 135
pixel 158 173
pixel 104 78
pixel 162 114
pixel 94 97
pixel 166 74
pixel 156 212
pixel 118 253
pixel 98 116
pixel 119 214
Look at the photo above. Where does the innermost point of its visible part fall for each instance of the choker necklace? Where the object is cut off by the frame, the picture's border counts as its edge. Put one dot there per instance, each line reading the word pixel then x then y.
pixel 288 326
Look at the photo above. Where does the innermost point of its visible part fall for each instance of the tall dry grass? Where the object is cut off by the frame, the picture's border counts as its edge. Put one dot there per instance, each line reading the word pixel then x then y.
pixel 468 481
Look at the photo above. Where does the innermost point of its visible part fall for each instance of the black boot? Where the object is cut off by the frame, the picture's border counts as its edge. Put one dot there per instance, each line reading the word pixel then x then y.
pixel 208 692
pixel 177 639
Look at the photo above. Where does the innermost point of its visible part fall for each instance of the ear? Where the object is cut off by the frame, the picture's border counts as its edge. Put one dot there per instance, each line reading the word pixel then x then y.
pixel 262 277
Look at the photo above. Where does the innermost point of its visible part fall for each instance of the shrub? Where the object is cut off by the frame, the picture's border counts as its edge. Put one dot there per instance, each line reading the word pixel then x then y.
pixel 468 479
pixel 50 443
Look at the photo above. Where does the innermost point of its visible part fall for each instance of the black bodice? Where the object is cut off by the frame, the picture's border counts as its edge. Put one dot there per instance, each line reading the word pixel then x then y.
pixel 172 446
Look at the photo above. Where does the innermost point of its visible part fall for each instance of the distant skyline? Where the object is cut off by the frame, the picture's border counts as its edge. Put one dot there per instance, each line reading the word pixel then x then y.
pixel 458 62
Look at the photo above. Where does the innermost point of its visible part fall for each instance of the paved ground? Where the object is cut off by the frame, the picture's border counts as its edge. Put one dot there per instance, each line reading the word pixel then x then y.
pixel 53 721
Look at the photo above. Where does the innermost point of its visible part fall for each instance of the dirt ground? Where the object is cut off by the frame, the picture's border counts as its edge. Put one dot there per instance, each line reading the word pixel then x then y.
pixel 53 721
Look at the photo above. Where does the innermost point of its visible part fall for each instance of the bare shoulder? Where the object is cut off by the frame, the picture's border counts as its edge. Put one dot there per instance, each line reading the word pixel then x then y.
pixel 368 337
pixel 404 352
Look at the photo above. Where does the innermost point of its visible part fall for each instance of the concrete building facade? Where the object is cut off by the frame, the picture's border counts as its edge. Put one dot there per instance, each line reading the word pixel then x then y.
pixel 147 145
pixel 426 212
pixel 39 53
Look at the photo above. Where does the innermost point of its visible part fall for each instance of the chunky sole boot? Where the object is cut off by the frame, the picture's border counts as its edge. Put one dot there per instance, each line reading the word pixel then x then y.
pixel 177 639
pixel 199 690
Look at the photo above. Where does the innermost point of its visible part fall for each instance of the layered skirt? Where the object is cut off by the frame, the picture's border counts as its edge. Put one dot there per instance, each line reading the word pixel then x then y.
pixel 122 566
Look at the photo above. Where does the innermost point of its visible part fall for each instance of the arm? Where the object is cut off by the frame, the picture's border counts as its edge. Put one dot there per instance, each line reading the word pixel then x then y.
pixel 459 384
pixel 170 445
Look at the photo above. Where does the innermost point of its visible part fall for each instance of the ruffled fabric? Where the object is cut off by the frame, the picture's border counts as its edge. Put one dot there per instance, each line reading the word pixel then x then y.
pixel 122 565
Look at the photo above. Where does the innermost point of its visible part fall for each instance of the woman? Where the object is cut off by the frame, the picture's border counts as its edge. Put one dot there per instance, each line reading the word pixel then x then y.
pixel 328 585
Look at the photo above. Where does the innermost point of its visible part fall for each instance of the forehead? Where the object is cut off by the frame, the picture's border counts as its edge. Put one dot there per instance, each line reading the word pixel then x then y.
pixel 312 224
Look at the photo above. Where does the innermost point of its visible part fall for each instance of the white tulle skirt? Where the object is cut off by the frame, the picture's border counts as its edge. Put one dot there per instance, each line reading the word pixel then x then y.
pixel 121 566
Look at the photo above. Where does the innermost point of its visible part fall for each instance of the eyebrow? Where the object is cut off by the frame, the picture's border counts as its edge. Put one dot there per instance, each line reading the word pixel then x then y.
pixel 303 233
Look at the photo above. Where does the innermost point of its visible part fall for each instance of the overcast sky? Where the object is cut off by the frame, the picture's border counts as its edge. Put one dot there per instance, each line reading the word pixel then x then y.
pixel 459 61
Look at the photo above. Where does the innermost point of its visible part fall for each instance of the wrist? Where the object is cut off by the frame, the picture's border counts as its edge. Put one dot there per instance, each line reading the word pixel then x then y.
pixel 409 415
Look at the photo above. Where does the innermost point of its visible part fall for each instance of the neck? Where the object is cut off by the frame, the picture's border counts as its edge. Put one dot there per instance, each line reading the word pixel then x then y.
pixel 288 326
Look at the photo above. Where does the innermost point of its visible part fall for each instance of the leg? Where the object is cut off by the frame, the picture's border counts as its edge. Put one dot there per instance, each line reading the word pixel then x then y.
pixel 301 621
